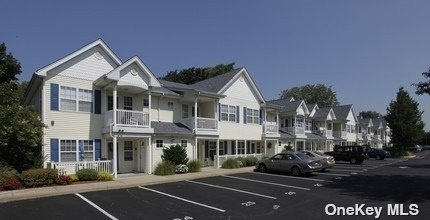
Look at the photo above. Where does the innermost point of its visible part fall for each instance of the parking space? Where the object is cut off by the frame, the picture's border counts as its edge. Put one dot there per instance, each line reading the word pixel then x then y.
pixel 238 196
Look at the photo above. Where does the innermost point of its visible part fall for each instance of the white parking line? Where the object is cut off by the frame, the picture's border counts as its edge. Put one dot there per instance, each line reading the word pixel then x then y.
pixel 264 182
pixel 182 199
pixel 332 174
pixel 232 189
pixel 294 177
pixel 346 170
pixel 96 206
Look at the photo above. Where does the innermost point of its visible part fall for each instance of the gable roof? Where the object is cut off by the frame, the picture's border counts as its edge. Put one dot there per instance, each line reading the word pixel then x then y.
pixel 342 111
pixel 221 83
pixel 323 113
pixel 288 106
pixel 98 42
pixel 115 73
pixel 365 122
pixel 170 128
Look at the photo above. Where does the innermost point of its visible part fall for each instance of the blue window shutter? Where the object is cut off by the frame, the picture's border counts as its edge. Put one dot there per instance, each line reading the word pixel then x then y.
pixel 206 149
pixel 97 149
pixel 54 149
pixel 233 147
pixel 225 147
pixel 97 101
pixel 219 112
pixel 261 116
pixel 237 114
pixel 81 150
pixel 54 97
pixel 244 115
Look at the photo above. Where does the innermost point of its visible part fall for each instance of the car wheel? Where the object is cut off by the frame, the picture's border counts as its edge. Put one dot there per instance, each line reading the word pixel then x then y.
pixel 378 157
pixel 262 168
pixel 295 171
pixel 353 160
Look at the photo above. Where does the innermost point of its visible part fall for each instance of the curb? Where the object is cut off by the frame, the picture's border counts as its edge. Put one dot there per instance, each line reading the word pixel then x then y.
pixel 120 183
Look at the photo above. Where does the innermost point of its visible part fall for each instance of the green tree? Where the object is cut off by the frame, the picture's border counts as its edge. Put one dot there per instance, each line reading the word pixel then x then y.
pixel 20 127
pixel 404 118
pixel 177 154
pixel 423 87
pixel 319 94
pixel 370 114
pixel 196 74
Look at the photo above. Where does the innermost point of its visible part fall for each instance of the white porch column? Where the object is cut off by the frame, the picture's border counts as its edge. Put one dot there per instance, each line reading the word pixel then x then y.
pixel 265 147
pixel 149 154
pixel 115 104
pixel 235 145
pixel 246 152
pixel 217 153
pixel 295 145
pixel 195 114
pixel 277 121
pixel 195 149
pixel 149 106
pixel 115 158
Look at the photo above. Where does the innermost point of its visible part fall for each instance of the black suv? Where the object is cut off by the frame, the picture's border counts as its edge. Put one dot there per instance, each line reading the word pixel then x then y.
pixel 354 154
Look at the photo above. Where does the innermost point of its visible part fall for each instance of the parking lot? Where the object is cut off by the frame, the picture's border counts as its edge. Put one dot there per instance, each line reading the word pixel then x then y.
pixel 248 195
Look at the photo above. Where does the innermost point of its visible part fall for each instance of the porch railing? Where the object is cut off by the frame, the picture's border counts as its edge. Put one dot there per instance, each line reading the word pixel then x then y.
pixel 326 133
pixel 295 130
pixel 202 123
pixel 128 118
pixel 340 134
pixel 67 168
pixel 270 128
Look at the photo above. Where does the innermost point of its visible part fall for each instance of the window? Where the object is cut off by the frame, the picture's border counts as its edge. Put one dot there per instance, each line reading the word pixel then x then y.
pixel 231 113
pixel 85 100
pixel 170 106
pixel 145 102
pixel 128 150
pixel 68 98
pixel 221 148
pixel 159 143
pixel 88 150
pixel 258 148
pixel 67 150
pixel 128 103
pixel 224 112
pixel 299 122
pixel 184 111
pixel 241 147
pixel 308 125
pixel 184 143
pixel 252 116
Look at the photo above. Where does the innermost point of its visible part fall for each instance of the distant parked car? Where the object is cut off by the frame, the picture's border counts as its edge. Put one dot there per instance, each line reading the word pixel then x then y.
pixel 295 163
pixel 416 148
pixel 379 154
pixel 425 147
pixel 353 154
pixel 326 160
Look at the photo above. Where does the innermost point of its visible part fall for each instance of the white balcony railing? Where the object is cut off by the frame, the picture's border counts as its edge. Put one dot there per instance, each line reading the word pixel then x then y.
pixel 270 128
pixel 128 118
pixel 325 133
pixel 339 134
pixel 67 168
pixel 360 136
pixel 377 136
pixel 295 130
pixel 202 123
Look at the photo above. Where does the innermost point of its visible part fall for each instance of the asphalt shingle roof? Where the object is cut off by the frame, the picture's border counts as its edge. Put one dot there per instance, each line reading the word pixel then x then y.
pixel 215 84
pixel 322 113
pixel 170 128
pixel 285 135
pixel 313 136
pixel 364 122
pixel 171 84
pixel 342 111
pixel 286 104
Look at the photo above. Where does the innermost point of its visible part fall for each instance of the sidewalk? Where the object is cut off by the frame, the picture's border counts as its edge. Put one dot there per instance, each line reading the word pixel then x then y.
pixel 123 181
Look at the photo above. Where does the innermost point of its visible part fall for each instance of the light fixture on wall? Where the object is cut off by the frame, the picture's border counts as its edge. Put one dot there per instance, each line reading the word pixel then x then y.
pixel 52 123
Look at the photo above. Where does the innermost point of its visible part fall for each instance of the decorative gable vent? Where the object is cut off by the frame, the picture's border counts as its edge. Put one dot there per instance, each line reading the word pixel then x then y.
pixel 133 72
pixel 98 56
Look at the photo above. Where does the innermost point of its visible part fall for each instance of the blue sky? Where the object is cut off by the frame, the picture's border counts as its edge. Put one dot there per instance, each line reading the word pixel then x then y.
pixel 366 50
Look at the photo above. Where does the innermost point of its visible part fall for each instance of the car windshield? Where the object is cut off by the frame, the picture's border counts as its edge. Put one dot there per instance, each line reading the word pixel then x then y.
pixel 319 153
pixel 302 156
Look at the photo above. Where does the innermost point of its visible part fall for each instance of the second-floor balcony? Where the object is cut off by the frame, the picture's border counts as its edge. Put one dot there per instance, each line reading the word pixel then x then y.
pixel 339 134
pixel 295 130
pixel 325 133
pixel 127 118
pixel 360 136
pixel 270 129
pixel 377 137
pixel 204 125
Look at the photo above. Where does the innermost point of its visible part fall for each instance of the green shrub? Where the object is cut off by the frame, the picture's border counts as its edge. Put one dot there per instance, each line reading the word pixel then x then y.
pixel 407 153
pixel 87 174
pixel 242 161
pixel 63 180
pixel 74 178
pixel 177 154
pixel 104 176
pixel 39 177
pixel 230 164
pixel 7 172
pixel 164 168
pixel 250 161
pixel 194 166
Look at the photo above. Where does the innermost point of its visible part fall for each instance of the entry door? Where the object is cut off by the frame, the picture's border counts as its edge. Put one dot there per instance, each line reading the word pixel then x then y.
pixel 142 156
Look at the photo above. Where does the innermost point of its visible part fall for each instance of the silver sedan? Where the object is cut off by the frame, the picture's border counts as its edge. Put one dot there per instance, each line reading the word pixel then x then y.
pixel 294 162
pixel 326 160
